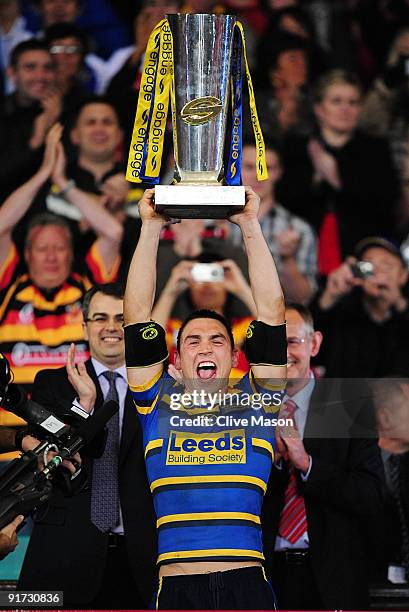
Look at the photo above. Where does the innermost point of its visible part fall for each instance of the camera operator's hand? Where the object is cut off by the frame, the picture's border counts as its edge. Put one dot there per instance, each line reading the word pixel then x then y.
pixel 8 536
pixel 80 380
pixel 29 443
pixel 72 465
pixel 250 210
pixel 339 283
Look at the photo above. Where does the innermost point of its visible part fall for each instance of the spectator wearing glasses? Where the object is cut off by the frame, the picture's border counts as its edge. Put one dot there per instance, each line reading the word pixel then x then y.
pixel 68 44
pixel 324 488
pixel 68 12
pixel 108 529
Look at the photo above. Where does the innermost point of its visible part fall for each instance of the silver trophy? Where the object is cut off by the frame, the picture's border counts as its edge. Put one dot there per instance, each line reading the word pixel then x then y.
pixel 202 49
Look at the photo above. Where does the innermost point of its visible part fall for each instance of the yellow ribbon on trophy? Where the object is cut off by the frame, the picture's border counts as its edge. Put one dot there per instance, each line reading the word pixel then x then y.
pixel 157 85
pixel 145 153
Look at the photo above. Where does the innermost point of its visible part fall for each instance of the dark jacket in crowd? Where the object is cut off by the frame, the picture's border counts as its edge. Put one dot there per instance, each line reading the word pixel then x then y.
pixel 365 204
pixel 345 487
pixel 66 551
pixel 356 346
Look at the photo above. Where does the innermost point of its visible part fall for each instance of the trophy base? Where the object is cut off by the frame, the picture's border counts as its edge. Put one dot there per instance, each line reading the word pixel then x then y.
pixel 198 201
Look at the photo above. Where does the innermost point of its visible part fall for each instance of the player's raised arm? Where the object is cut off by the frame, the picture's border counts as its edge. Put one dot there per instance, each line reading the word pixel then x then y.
pixel 145 345
pixel 266 346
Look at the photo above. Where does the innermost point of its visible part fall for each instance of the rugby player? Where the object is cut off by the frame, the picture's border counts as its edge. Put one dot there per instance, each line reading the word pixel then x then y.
pixel 207 487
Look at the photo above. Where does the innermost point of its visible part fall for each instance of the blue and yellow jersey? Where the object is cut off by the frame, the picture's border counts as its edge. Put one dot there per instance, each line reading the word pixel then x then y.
pixel 208 469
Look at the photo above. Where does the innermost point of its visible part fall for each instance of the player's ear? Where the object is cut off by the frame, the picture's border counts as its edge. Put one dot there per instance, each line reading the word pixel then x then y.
pixel 235 357
pixel 177 364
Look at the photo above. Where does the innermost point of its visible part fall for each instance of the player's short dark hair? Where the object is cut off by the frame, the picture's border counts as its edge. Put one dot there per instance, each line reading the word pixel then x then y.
pixel 32 44
pixel 114 290
pixel 206 314
pixel 44 219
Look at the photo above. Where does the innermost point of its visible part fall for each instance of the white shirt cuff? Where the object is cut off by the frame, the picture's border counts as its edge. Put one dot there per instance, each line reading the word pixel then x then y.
pixel 78 409
pixel 304 477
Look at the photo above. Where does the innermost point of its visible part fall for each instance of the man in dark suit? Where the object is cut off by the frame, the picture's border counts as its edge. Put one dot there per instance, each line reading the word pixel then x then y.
pixel 98 547
pixel 327 482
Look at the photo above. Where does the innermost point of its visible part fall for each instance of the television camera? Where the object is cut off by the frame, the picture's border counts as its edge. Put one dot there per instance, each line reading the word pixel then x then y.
pixel 26 483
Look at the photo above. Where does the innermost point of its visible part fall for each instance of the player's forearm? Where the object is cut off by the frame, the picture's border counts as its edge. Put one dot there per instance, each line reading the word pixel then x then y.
pixel 141 283
pixel 264 282
pixel 246 296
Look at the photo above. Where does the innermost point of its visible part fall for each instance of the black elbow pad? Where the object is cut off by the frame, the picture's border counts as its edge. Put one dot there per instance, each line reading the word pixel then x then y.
pixel 266 344
pixel 145 344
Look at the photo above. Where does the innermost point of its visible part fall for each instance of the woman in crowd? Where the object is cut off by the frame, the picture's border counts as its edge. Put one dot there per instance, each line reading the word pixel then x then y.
pixel 340 179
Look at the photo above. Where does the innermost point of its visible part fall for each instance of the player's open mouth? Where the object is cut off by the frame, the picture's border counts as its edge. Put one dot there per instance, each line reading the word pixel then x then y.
pixel 206 370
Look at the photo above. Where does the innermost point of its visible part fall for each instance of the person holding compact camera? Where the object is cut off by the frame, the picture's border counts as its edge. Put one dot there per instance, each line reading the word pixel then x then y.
pixel 209 282
pixel 364 315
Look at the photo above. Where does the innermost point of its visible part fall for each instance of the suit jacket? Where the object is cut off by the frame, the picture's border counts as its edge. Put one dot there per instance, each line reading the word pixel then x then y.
pixel 66 551
pixel 345 487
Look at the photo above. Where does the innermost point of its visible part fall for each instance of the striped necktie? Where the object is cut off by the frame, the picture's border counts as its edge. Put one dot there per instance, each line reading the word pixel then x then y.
pixel 293 518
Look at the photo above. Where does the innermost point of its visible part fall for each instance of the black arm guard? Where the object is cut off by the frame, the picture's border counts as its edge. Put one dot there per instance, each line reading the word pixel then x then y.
pixel 145 344
pixel 266 344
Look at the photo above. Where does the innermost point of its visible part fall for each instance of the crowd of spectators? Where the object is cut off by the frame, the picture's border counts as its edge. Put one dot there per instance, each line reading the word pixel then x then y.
pixel 332 86
pixel 333 112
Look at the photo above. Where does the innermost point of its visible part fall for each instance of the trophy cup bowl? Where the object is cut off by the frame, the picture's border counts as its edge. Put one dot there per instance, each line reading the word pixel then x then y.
pixel 202 49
